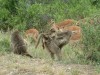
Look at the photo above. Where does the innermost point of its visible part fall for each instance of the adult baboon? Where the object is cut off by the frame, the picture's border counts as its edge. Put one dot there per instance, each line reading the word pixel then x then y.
pixel 18 45
pixel 54 44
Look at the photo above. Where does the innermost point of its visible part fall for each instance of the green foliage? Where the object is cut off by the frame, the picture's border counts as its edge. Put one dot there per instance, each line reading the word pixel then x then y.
pixel 91 40
pixel 4 13
pixel 5 45
pixel 10 5
pixel 28 12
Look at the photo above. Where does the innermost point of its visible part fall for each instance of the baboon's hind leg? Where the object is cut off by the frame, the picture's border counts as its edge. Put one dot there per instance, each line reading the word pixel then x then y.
pixel 52 55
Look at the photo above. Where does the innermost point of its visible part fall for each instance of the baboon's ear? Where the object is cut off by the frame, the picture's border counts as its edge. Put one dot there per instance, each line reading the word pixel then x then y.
pixel 60 29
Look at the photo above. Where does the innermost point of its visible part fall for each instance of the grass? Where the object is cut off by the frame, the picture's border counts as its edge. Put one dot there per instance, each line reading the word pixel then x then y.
pixel 19 65
pixel 42 64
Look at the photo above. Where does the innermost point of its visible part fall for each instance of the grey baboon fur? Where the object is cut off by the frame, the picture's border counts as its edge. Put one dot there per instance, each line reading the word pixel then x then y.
pixel 18 45
pixel 55 43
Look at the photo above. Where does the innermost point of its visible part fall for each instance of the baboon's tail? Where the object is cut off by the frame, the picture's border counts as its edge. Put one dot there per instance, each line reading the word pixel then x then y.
pixel 40 37
pixel 29 55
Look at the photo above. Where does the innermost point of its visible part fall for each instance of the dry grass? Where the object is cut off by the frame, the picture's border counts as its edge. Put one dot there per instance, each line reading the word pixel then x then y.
pixel 11 64
pixel 42 64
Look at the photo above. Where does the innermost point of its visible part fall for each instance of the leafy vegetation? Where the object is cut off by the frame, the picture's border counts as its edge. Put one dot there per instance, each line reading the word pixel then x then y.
pixel 4 42
pixel 28 13
pixel 91 40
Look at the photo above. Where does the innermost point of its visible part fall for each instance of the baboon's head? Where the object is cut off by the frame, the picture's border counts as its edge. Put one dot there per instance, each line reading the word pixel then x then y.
pixel 68 34
pixel 65 34
pixel 15 33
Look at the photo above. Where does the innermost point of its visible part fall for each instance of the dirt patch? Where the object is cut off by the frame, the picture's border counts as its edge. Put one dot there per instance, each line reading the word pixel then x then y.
pixel 11 64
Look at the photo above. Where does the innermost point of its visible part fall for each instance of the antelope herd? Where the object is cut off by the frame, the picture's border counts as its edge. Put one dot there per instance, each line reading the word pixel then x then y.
pixel 57 36
pixel 65 25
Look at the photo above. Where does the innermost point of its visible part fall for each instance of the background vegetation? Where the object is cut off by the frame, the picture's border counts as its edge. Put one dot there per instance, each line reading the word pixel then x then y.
pixel 25 14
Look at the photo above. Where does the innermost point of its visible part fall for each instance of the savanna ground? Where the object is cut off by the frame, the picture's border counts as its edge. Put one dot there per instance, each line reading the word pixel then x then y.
pixel 42 64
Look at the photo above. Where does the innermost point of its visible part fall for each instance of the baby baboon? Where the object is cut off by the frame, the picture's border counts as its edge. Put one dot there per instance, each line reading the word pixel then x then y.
pixel 18 45
pixel 50 33
pixel 55 44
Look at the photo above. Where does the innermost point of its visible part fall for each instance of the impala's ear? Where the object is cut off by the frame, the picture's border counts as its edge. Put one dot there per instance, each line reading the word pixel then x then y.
pixel 52 30
pixel 51 22
pixel 73 32
pixel 61 30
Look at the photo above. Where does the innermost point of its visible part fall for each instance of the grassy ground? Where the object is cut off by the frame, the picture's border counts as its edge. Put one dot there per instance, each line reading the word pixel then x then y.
pixel 42 64
pixel 11 64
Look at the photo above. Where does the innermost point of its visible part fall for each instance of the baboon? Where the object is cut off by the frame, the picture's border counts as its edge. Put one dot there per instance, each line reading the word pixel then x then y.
pixel 18 45
pixel 51 33
pixel 76 36
pixel 62 38
pixel 77 32
pixel 54 44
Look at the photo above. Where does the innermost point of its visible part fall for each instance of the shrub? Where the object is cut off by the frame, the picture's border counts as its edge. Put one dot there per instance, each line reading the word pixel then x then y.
pixel 91 41
pixel 27 13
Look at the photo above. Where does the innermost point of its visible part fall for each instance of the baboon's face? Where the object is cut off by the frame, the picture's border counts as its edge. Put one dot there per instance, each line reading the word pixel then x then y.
pixel 68 33
pixel 65 34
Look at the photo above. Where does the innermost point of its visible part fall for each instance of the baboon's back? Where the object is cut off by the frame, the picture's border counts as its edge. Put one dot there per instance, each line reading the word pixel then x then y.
pixel 18 43
pixel 51 45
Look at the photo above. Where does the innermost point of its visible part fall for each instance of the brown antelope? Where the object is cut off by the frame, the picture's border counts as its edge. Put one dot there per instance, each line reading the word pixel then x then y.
pixel 63 24
pixel 32 33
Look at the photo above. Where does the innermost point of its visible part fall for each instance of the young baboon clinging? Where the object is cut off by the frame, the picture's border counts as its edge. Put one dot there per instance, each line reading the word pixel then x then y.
pixel 18 45
pixel 54 44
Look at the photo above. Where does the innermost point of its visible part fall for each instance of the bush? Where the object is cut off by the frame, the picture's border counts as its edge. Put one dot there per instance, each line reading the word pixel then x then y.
pixel 91 40
pixel 27 13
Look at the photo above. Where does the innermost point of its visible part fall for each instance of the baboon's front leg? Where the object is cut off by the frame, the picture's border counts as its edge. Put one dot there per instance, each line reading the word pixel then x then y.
pixel 58 54
pixel 43 43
